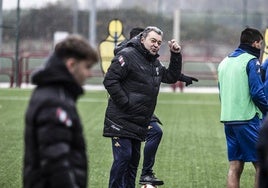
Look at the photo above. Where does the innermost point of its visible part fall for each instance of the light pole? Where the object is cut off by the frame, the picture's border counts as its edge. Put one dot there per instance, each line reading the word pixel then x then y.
pixel 75 16
pixel 177 23
pixel 245 12
pixel 92 22
pixel 1 23
pixel 17 45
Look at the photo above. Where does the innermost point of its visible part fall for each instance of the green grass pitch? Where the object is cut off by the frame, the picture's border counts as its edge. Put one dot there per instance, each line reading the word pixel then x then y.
pixel 192 153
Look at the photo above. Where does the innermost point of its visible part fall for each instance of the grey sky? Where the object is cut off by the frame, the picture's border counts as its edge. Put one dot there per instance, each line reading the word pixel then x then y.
pixel 83 4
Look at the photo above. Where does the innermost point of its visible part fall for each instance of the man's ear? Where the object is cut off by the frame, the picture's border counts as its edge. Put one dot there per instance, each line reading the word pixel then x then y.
pixel 257 44
pixel 254 44
pixel 142 39
pixel 70 62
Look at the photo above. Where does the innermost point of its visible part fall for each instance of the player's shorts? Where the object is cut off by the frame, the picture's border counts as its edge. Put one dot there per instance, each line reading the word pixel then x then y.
pixel 242 140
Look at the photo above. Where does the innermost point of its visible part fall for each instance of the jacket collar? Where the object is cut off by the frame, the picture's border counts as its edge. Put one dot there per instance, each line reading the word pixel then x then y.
pixel 56 73
pixel 251 50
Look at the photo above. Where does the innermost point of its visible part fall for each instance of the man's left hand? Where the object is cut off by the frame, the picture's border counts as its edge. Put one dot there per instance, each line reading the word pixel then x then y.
pixel 174 46
pixel 187 79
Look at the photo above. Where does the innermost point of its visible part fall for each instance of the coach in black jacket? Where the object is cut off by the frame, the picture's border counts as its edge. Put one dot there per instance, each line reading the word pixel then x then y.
pixel 133 81
pixel 55 151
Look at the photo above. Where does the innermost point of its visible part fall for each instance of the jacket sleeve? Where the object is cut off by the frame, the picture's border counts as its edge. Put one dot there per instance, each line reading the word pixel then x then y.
pixel 54 135
pixel 115 75
pixel 256 85
pixel 173 72
pixel 264 71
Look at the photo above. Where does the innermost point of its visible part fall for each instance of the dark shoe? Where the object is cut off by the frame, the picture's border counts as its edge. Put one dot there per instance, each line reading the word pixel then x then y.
pixel 150 179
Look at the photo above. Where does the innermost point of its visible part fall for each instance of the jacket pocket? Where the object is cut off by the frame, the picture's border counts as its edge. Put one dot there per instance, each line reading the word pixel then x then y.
pixel 138 104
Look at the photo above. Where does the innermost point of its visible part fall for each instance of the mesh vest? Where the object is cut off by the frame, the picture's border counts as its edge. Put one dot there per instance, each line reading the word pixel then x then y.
pixel 236 102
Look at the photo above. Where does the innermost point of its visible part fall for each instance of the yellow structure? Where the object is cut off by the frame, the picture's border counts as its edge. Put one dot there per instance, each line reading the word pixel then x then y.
pixel 106 47
pixel 265 50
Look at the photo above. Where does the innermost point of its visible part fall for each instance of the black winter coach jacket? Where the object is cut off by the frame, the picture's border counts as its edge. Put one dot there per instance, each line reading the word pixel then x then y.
pixel 55 151
pixel 133 81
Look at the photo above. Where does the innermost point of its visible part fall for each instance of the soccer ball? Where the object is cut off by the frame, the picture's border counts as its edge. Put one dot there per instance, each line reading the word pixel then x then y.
pixel 148 186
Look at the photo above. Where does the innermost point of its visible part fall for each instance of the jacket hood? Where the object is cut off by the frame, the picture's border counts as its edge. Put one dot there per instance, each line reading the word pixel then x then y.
pixel 120 46
pixel 55 72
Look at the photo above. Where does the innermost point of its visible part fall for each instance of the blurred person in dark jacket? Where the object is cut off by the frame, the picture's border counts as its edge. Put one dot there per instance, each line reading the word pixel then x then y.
pixel 55 151
pixel 155 132
pixel 133 81
pixel 262 148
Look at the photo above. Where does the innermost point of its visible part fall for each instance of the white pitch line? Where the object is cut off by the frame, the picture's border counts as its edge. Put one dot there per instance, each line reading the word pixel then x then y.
pixel 13 98
pixel 190 102
pixel 97 100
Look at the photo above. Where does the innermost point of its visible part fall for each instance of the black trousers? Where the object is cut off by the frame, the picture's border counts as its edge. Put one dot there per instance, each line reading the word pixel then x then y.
pixel 126 153
pixel 152 142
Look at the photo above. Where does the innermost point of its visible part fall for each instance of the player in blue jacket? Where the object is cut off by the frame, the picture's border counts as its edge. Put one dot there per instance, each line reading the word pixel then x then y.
pixel 242 104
